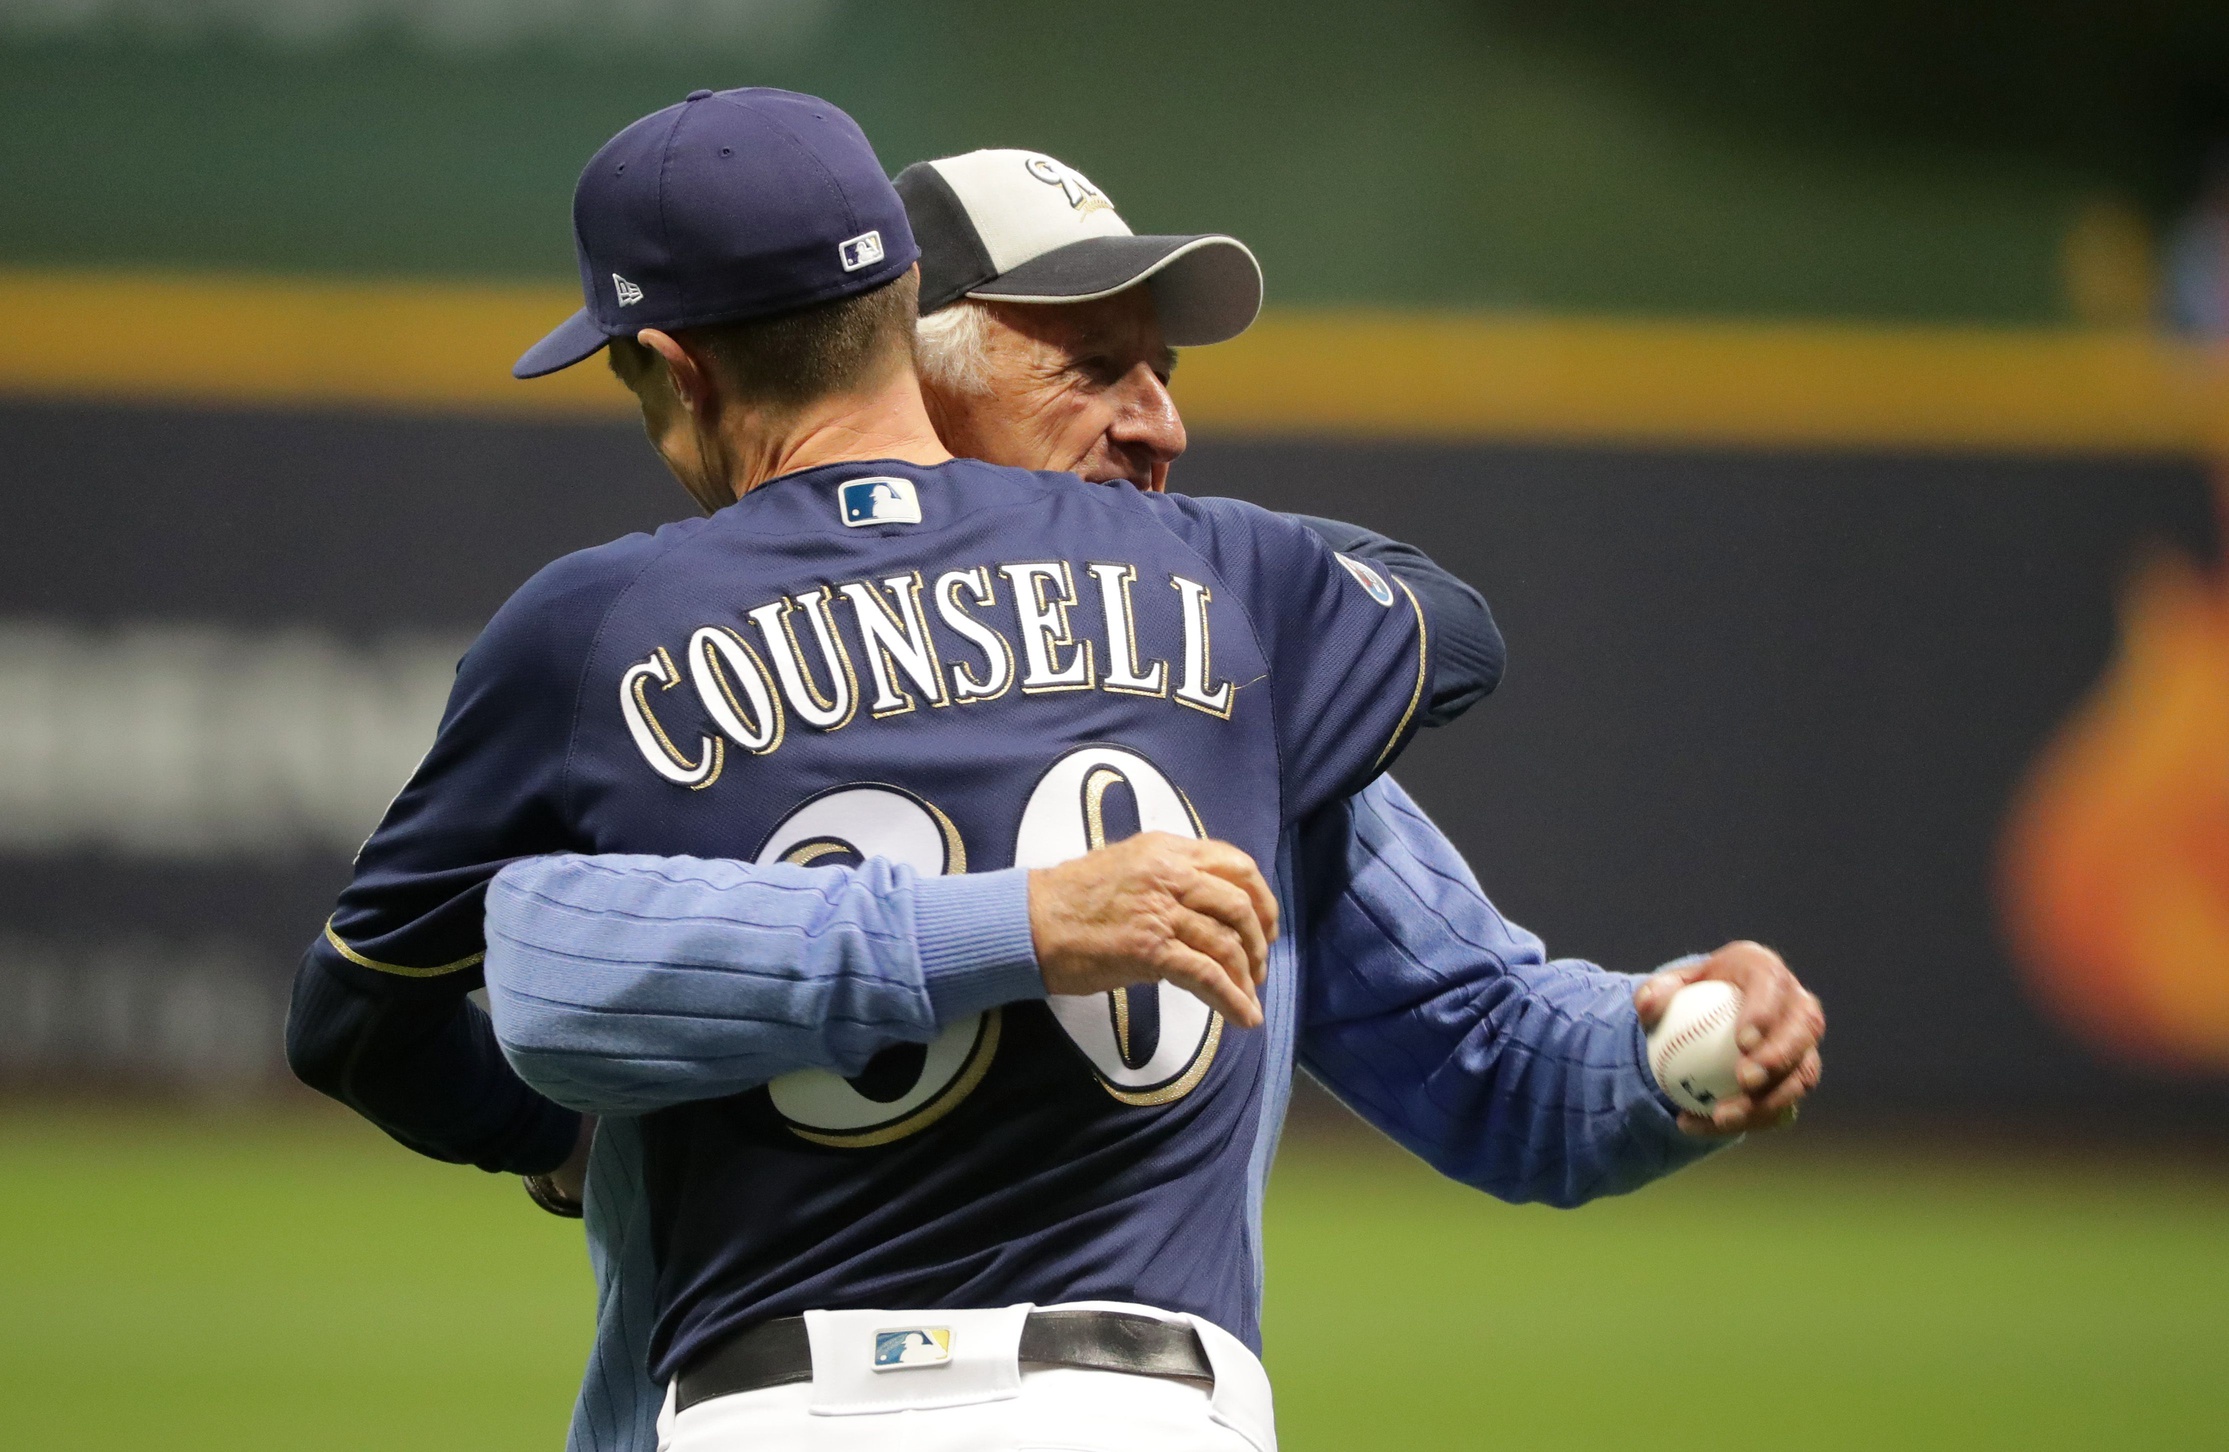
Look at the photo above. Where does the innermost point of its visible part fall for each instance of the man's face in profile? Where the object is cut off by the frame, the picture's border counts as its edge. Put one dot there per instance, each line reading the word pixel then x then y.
pixel 1081 387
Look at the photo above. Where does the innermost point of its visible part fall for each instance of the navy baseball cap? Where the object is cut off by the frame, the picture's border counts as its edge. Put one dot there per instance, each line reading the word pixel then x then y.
pixel 731 205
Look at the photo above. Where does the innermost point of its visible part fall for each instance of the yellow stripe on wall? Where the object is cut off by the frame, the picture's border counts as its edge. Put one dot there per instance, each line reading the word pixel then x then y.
pixel 448 347
pixel 254 340
pixel 1711 383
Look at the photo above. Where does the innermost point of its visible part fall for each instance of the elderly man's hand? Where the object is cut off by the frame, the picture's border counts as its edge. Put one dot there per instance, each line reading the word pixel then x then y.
pixel 1157 908
pixel 1781 1025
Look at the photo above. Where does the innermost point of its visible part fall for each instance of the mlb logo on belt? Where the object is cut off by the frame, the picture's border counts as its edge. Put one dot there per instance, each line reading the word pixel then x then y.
pixel 913 1346
pixel 879 501
pixel 864 250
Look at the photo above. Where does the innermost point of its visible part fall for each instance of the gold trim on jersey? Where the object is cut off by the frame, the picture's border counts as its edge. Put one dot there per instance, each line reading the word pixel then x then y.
pixel 1423 663
pixel 1185 1083
pixel 964 1083
pixel 373 963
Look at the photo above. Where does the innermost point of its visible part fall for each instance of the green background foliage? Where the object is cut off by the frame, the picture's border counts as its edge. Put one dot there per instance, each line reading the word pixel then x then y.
pixel 1821 159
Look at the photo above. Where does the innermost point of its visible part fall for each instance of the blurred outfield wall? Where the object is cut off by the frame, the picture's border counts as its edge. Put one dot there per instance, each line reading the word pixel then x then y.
pixel 1770 692
pixel 1808 513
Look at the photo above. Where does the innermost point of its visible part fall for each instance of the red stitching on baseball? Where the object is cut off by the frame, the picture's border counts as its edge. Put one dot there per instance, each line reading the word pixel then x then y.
pixel 1694 1031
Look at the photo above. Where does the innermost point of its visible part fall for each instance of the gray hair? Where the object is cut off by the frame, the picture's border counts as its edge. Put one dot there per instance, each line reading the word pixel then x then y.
pixel 952 347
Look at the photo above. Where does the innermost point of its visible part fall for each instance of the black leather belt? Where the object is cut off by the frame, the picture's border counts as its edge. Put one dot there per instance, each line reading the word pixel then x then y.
pixel 776 1353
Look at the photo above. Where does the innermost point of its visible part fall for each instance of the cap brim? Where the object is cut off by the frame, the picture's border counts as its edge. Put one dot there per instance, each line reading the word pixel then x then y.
pixel 569 342
pixel 1206 289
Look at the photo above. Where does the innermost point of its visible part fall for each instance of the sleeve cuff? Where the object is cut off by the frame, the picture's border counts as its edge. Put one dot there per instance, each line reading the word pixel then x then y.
pixel 975 943
pixel 548 1143
pixel 1654 1092
pixel 1656 1114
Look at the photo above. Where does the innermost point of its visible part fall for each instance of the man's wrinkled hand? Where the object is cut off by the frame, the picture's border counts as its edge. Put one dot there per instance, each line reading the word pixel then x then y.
pixel 1781 1025
pixel 1157 908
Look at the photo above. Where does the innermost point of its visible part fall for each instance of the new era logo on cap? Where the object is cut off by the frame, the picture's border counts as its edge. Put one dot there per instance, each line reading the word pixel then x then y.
pixel 864 250
pixel 879 501
pixel 629 294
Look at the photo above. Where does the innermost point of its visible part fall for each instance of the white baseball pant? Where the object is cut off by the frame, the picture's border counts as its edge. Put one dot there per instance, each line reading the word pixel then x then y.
pixel 979 1397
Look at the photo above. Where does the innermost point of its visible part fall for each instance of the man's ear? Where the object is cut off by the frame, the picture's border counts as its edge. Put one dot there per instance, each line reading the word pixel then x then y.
pixel 688 375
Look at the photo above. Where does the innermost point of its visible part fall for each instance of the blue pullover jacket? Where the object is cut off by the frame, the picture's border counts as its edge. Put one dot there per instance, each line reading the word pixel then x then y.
pixel 620 985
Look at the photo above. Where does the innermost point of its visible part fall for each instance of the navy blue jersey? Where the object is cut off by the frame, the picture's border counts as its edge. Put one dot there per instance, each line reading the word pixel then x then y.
pixel 962 668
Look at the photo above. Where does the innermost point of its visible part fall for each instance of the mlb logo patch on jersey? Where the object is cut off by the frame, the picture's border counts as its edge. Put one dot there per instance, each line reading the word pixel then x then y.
pixel 913 1346
pixel 1370 579
pixel 879 501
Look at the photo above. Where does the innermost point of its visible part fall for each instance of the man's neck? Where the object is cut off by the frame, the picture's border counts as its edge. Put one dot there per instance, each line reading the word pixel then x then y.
pixel 888 421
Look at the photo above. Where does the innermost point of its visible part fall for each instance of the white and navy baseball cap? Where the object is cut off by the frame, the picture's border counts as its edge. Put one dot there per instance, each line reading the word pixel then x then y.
pixel 1018 226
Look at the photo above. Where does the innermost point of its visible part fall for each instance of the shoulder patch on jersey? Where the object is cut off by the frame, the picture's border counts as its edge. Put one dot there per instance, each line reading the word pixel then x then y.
pixel 1369 579
pixel 879 501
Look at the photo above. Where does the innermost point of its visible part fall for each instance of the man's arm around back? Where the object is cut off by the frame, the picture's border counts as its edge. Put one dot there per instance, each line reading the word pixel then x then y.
pixel 1446 1026
pixel 622 985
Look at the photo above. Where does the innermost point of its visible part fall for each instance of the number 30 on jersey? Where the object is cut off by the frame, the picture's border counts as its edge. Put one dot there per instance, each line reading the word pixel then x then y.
pixel 1149 1044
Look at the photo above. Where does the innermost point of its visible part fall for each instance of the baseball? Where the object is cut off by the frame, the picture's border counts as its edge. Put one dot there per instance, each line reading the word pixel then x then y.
pixel 1692 1049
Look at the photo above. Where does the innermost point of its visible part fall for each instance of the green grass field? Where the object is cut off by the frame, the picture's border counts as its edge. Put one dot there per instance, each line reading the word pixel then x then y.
pixel 292 1281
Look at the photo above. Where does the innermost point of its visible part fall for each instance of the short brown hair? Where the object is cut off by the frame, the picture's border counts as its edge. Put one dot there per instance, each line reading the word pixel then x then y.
pixel 790 359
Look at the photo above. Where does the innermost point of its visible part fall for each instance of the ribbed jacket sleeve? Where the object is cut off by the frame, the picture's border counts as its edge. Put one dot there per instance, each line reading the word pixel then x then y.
pixel 1447 1027
pixel 621 985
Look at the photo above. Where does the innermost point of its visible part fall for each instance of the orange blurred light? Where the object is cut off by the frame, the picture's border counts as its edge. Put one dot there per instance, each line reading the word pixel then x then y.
pixel 2116 856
